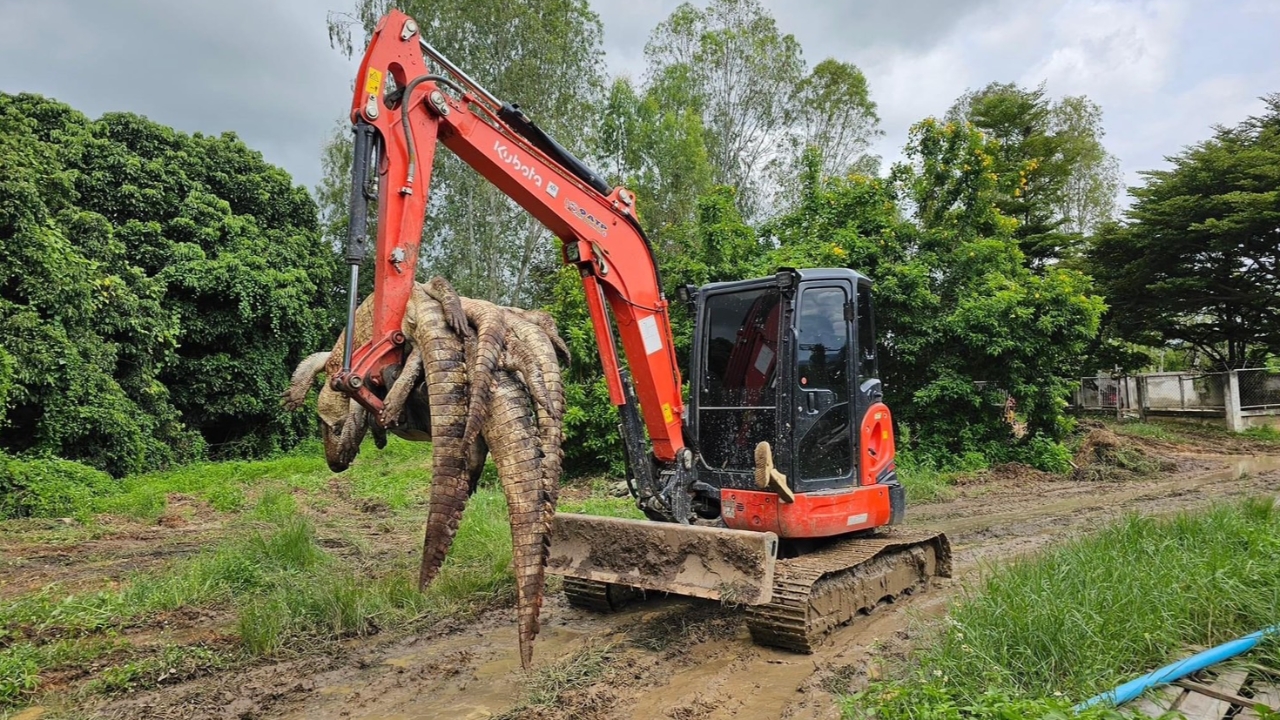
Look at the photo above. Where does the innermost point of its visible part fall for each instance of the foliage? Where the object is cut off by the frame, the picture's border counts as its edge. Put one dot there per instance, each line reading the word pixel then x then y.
pixel 730 62
pixel 544 55
pixel 48 487
pixel 748 81
pixel 1195 261
pixel 656 146
pixel 1061 182
pixel 156 290
pixel 1101 609
pixel 955 304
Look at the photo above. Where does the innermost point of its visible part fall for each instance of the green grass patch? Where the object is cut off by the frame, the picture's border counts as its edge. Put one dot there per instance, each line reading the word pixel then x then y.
pixel 1094 612
pixel 929 478
pixel 601 501
pixel 1154 431
pixel 171 664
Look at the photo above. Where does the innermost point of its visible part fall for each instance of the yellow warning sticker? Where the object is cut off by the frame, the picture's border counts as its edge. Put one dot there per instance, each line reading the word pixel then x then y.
pixel 667 415
pixel 373 83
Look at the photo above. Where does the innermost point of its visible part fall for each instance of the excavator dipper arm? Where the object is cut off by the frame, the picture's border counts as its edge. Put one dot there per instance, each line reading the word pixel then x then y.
pixel 399 111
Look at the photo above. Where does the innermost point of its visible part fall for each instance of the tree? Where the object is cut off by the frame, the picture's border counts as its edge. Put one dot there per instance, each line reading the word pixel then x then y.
pixel 544 54
pixel 656 148
pixel 1063 180
pixel 1088 198
pixel 1197 260
pixel 832 111
pixel 957 310
pixel 156 289
pixel 730 62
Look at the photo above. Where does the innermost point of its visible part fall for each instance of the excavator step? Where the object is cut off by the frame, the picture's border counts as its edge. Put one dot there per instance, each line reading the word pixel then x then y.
pixel 816 593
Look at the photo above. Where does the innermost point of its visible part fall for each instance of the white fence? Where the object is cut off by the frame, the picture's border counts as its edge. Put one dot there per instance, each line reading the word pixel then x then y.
pixel 1242 397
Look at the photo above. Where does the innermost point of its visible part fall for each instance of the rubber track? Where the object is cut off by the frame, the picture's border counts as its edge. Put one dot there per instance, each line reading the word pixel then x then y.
pixel 587 594
pixel 791 620
pixel 599 596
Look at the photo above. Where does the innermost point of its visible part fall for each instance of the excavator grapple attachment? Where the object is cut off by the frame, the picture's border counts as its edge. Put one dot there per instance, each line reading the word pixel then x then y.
pixel 734 566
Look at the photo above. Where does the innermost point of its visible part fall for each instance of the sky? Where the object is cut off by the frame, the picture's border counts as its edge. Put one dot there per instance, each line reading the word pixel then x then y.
pixel 1164 71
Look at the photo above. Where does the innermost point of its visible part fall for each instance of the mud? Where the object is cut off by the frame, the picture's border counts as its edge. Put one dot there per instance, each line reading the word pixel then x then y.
pixel 667 658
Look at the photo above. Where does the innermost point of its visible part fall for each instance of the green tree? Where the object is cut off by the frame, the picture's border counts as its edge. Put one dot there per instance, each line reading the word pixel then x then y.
pixel 657 148
pixel 956 306
pixel 832 112
pixel 545 55
pixel 1196 260
pixel 155 289
pixel 1062 182
pixel 731 63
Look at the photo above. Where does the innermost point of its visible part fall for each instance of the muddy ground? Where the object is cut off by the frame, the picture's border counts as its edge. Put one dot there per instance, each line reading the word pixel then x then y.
pixel 662 658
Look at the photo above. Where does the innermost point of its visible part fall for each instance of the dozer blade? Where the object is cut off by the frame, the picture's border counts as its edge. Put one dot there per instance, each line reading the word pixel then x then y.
pixel 716 563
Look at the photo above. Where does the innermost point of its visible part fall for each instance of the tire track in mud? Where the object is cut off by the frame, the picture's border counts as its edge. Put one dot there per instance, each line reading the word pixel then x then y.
pixel 682 659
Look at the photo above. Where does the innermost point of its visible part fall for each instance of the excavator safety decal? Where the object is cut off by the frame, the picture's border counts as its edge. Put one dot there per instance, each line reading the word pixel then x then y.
pixel 374 82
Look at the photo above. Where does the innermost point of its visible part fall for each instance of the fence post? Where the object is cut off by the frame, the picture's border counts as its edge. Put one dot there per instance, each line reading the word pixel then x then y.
pixel 1142 397
pixel 1235 421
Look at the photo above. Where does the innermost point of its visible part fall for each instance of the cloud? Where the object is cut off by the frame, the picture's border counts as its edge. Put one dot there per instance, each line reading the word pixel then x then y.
pixel 262 70
pixel 1110 49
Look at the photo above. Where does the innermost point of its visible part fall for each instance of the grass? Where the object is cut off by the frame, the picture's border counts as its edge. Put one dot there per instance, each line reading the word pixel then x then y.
pixel 1183 431
pixel 546 688
pixel 927 480
pixel 1096 611
pixel 287 585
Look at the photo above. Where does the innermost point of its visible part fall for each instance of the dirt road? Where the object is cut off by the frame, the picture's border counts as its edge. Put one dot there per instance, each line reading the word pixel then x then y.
pixel 683 659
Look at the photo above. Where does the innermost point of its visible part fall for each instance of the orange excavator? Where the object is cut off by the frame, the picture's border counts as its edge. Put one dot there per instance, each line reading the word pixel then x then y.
pixel 773 487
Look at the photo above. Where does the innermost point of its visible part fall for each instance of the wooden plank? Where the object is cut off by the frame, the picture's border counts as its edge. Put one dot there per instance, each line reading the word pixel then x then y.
pixel 1265 695
pixel 1157 701
pixel 1203 707
pixel 1215 693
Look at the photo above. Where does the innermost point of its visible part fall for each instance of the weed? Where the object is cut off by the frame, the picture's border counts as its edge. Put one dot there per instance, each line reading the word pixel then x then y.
pixel 1263 433
pixel 21 663
pixel 547 686
pixel 1101 609
pixel 173 664
pixel 1153 431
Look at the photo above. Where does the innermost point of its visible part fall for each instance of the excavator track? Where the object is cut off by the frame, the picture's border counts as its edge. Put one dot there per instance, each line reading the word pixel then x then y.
pixel 598 596
pixel 818 592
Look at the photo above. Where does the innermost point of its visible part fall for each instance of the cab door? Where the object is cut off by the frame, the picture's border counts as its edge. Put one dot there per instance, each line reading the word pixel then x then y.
pixel 823 388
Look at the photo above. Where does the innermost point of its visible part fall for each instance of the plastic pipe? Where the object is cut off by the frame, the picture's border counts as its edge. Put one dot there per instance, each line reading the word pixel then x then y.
pixel 1180 669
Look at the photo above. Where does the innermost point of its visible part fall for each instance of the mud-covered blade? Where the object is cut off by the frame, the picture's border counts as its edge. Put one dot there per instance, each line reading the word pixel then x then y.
pixel 715 563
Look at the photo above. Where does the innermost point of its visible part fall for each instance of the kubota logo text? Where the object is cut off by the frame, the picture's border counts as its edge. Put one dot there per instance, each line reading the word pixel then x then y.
pixel 514 161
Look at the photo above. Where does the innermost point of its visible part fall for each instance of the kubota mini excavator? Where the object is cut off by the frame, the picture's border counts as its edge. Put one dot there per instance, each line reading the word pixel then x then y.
pixel 773 486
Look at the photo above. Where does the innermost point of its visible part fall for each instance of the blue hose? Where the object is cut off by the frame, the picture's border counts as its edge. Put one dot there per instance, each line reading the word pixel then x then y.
pixel 1180 669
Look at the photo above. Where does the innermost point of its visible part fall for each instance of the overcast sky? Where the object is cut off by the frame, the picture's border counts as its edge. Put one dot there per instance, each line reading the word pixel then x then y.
pixel 1163 70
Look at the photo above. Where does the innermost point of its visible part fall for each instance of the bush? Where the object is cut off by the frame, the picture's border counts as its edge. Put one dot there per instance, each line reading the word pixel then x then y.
pixel 49 487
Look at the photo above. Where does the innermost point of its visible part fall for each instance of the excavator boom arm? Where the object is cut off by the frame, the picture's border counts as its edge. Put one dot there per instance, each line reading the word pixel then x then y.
pixel 597 226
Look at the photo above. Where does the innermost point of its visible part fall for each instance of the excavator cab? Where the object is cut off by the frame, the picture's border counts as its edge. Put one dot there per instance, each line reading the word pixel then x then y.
pixel 790 360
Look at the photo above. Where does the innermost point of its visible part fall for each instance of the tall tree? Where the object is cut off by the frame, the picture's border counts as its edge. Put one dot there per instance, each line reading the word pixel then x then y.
pixel 544 55
pixel 658 149
pixel 1088 198
pixel 1064 181
pixel 731 63
pixel 832 111
pixel 1197 260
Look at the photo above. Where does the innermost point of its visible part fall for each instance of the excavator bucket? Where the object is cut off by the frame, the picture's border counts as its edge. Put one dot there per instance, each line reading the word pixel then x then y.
pixel 716 563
